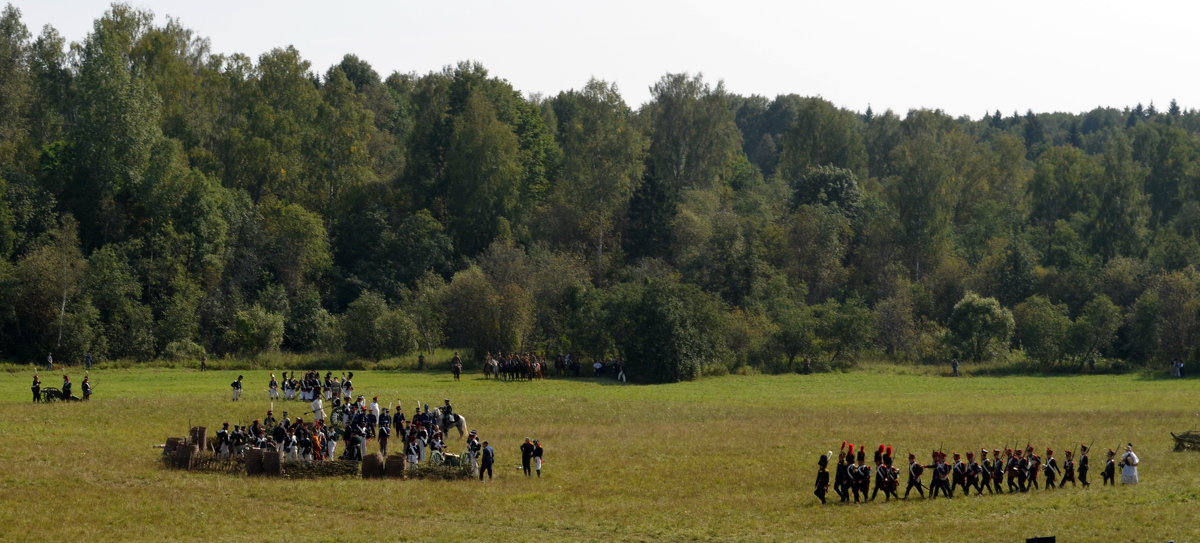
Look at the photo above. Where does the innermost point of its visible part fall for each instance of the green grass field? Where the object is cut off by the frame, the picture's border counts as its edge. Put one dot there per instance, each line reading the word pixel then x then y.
pixel 730 458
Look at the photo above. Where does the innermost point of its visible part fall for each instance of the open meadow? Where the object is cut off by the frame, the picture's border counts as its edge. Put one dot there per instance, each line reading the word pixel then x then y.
pixel 730 458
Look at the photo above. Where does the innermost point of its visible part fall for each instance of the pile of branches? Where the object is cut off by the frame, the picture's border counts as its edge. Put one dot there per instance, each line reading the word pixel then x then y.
pixel 444 472
pixel 1187 441
pixel 299 469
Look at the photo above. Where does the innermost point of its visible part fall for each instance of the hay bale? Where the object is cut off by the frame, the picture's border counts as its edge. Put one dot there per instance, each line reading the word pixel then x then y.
pixel 372 466
pixel 254 462
pixel 394 468
pixel 272 462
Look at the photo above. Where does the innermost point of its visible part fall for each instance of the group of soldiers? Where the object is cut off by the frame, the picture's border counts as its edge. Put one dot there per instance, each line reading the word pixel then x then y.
pixel 1020 469
pixel 311 386
pixel 353 421
pixel 65 391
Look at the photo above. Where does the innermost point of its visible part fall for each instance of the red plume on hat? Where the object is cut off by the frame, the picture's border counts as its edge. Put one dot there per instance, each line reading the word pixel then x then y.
pixel 888 450
pixel 843 444
pixel 852 449
pixel 970 454
pixel 1049 452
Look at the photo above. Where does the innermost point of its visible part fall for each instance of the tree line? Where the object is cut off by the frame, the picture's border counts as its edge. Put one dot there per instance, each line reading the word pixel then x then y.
pixel 160 200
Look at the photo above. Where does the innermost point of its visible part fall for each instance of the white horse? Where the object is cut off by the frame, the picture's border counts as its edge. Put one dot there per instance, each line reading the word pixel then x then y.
pixel 444 423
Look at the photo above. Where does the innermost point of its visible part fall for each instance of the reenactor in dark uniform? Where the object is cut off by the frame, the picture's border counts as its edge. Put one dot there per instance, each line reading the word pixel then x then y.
pixel 997 471
pixel 279 435
pixel 1083 465
pixel 1016 477
pixel 986 470
pixel 960 475
pixel 37 389
pixel 880 478
pixel 256 433
pixel 223 440
pixel 1110 470
pixel 1068 473
pixel 851 475
pixel 973 471
pixel 1022 470
pixel 269 421
pixel 822 485
pixel 891 476
pixel 840 477
pixel 915 469
pixel 941 476
pixel 87 388
pixel 1051 469
pixel 862 475
pixel 1035 464
pixel 66 388
pixel 370 421
pixel 385 430
pixel 355 440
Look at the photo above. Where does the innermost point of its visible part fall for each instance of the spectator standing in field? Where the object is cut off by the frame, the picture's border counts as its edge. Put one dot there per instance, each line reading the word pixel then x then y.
pixel 237 388
pixel 37 389
pixel 87 362
pixel 538 451
pixel 203 362
pixel 486 460
pixel 526 456
pixel 954 367
pixel 621 376
pixel 1129 463
pixel 596 368
pixel 49 361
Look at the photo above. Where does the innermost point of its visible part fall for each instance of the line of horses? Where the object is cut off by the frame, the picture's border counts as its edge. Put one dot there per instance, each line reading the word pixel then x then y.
pixel 514 367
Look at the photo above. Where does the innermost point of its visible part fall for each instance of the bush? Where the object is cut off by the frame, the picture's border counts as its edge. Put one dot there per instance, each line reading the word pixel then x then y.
pixel 257 330
pixel 669 335
pixel 183 350
pixel 979 328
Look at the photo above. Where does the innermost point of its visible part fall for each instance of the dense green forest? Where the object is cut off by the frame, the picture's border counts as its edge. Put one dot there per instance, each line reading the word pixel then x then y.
pixel 158 199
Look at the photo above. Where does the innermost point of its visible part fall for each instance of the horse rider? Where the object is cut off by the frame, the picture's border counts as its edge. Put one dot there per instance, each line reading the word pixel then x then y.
pixel 448 412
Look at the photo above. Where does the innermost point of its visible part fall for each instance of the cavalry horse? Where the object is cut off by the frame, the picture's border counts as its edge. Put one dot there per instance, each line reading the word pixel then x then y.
pixel 491 368
pixel 444 423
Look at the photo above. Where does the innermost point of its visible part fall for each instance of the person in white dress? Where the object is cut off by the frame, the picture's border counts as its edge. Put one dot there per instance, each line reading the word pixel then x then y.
pixel 1129 462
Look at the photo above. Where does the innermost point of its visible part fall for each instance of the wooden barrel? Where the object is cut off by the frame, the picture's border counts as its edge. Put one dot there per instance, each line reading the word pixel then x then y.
pixel 254 462
pixel 272 463
pixel 199 435
pixel 184 456
pixel 172 444
pixel 372 466
pixel 394 468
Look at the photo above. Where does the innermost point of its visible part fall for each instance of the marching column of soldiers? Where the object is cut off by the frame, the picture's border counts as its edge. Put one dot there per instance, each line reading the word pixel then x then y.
pixel 1018 470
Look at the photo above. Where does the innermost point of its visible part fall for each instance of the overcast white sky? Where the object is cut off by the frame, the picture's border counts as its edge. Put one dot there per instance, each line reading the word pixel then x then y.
pixel 962 56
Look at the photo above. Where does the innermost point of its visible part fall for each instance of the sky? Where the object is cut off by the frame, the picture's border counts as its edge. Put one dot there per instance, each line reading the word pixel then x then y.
pixel 963 57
